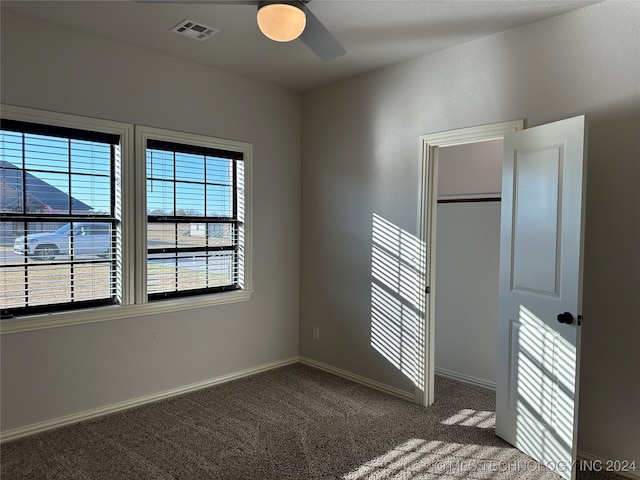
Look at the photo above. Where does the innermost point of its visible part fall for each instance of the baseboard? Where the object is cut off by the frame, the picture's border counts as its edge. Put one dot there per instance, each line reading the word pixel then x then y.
pixel 600 464
pixel 116 407
pixel 464 378
pixel 358 379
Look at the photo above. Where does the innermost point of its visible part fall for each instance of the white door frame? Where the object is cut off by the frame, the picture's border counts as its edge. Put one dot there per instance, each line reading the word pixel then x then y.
pixel 428 201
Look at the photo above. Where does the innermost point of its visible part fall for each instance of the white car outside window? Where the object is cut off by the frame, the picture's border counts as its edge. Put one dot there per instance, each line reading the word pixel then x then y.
pixel 85 239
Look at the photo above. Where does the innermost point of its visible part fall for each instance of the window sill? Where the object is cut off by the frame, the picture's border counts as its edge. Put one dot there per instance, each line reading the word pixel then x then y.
pixel 118 312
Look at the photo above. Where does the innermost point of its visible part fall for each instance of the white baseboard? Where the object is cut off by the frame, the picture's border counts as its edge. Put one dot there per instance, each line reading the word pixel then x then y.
pixel 358 379
pixel 601 464
pixel 135 402
pixel 464 378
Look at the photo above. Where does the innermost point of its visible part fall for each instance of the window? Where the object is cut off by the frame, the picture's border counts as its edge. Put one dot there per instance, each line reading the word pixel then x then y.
pixel 96 223
pixel 195 219
pixel 58 229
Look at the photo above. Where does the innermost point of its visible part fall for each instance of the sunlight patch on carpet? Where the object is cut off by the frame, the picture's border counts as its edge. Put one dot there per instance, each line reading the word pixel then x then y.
pixel 472 418
pixel 427 459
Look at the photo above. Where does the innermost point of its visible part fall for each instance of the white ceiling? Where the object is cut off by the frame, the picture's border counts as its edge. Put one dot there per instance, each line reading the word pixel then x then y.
pixel 375 33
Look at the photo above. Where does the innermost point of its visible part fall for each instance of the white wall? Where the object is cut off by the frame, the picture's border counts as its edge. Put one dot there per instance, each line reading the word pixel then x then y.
pixel 50 373
pixel 466 291
pixel 467 259
pixel 470 170
pixel 361 158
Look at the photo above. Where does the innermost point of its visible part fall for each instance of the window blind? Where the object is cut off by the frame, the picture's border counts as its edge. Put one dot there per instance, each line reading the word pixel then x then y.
pixel 58 227
pixel 194 219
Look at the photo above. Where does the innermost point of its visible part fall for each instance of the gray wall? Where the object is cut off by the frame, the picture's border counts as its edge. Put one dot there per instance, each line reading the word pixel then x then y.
pixel 467 260
pixel 47 374
pixel 361 158
pixel 466 291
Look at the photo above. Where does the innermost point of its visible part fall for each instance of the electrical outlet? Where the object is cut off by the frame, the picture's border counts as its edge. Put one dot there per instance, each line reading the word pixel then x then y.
pixel 316 333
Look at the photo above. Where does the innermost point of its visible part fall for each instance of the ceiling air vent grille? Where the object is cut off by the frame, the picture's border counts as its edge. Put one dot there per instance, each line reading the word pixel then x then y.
pixel 195 30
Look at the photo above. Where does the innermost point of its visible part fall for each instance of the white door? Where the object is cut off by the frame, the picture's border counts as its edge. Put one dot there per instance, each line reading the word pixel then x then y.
pixel 540 286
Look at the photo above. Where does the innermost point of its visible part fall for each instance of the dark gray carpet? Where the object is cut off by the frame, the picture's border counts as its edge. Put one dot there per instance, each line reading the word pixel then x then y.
pixel 294 422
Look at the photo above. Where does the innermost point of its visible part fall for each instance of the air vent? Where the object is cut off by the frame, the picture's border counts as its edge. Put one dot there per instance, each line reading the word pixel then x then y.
pixel 195 30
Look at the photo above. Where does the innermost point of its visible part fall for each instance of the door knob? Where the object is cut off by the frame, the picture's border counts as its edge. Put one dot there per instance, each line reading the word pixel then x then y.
pixel 565 317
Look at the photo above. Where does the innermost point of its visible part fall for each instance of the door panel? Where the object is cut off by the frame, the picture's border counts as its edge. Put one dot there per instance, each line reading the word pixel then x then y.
pixel 535 229
pixel 541 277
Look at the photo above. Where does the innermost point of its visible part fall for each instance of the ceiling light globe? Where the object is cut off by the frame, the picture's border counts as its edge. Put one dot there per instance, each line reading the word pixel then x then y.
pixel 281 22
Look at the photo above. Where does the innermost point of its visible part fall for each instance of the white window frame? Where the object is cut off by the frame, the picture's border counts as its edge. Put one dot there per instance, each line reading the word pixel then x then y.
pixel 132 187
pixel 143 134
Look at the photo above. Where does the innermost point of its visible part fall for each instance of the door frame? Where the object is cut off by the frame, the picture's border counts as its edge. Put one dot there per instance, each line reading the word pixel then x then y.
pixel 427 218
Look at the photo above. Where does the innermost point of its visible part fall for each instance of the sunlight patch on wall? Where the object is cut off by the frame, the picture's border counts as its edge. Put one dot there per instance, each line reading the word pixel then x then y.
pixel 397 306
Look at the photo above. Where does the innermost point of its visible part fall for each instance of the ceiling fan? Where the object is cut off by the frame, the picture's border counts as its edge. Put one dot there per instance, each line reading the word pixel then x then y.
pixel 285 20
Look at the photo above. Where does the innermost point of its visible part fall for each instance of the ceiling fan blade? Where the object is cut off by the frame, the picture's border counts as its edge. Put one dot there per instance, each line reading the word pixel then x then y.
pixel 319 39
